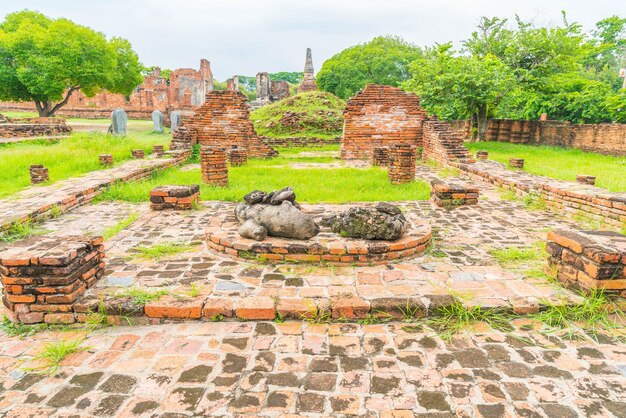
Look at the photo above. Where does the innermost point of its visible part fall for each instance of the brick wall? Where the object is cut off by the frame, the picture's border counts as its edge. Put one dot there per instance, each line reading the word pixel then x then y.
pixel 299 141
pixel 605 138
pixel 224 120
pixel 385 116
pixel 186 90
pixel 26 130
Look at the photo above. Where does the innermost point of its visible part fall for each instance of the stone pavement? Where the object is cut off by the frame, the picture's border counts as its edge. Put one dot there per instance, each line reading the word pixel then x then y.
pixel 297 369
pixel 36 202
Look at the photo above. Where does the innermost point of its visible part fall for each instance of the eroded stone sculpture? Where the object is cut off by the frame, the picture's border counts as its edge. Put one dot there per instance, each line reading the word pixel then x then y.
pixel 275 214
pixel 157 121
pixel 118 122
pixel 175 120
pixel 384 222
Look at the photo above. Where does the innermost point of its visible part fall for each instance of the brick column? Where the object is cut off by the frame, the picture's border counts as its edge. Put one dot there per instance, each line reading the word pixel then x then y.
pixel 380 156
pixel 237 156
pixel 585 179
pixel 137 153
pixel 158 151
pixel 482 155
pixel 105 159
pixel 213 165
pixel 38 174
pixel 402 158
pixel 516 163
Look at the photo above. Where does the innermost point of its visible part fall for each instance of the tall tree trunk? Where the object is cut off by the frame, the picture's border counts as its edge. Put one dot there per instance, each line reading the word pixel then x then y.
pixel 473 127
pixel 482 122
pixel 46 109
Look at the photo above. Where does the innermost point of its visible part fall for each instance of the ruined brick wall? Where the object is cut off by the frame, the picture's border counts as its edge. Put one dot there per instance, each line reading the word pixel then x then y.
pixel 279 90
pixel 34 128
pixel 380 116
pixel 442 142
pixel 605 138
pixel 186 90
pixel 224 120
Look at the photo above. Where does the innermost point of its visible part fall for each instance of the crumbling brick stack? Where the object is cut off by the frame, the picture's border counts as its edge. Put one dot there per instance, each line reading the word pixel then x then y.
pixel 448 194
pixel 43 276
pixel 34 127
pixel 182 139
pixel 516 163
pixel 174 197
pixel 224 120
pixel 482 155
pixel 442 142
pixel 213 165
pixel 158 151
pixel 137 153
pixel 380 116
pixel 380 156
pixel 105 159
pixel 588 259
pixel 38 174
pixel 237 156
pixel 402 159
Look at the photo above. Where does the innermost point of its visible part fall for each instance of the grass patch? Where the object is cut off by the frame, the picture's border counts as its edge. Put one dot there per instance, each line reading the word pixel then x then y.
pixel 158 251
pixel 313 114
pixel 596 314
pixel 450 320
pixel 68 157
pixel 508 255
pixel 20 230
pixel 313 185
pixel 54 353
pixel 560 163
pixel 139 295
pixel 113 230
pixel 13 329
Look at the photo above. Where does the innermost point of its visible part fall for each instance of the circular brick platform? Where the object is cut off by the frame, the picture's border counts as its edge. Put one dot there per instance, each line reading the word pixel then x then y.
pixel 222 236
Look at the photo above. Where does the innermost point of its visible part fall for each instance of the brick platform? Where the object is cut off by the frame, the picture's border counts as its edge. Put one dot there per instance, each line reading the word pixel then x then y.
pixel 380 156
pixel 38 174
pixel 43 276
pixel 448 194
pixel 588 259
pixel 137 153
pixel 174 197
pixel 105 159
pixel 213 165
pixel 222 236
pixel 237 156
pixel 516 163
pixel 402 160
pixel 585 179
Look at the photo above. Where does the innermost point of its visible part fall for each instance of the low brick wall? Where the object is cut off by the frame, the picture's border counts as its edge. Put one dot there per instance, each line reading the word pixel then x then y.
pixel 237 156
pixel 27 130
pixel 588 259
pixel 297 142
pixel 570 197
pixel 43 276
pixel 605 138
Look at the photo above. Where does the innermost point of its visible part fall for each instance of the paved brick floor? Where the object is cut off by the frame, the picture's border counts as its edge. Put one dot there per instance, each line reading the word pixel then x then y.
pixel 267 369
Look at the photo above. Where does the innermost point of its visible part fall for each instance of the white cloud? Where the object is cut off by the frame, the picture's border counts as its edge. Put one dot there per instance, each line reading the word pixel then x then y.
pixel 248 36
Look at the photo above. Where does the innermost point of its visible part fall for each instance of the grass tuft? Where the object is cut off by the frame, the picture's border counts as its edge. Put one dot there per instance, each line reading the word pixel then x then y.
pixel 140 296
pixel 54 353
pixel 113 230
pixel 14 329
pixel 455 318
pixel 20 230
pixel 159 251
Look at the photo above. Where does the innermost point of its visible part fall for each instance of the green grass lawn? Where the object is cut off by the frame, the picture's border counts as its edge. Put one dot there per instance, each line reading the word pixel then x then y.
pixel 560 163
pixel 312 185
pixel 68 157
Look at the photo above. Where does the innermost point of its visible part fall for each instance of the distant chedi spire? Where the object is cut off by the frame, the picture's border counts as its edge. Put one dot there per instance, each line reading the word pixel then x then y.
pixel 308 81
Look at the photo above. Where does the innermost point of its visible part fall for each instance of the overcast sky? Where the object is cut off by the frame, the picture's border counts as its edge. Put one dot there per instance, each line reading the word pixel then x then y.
pixel 248 36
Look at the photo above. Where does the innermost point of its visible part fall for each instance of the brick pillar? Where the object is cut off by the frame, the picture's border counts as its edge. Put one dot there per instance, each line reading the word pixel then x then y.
pixel 214 168
pixel 516 163
pixel 38 174
pixel 401 163
pixel 137 153
pixel 482 155
pixel 158 151
pixel 237 156
pixel 380 156
pixel 585 179
pixel 105 159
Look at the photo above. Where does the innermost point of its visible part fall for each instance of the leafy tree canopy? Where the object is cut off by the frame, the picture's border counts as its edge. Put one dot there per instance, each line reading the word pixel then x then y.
pixel 45 60
pixel 383 60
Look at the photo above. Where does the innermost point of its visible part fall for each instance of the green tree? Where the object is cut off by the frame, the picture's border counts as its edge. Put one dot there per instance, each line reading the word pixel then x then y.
pixel 383 60
pixel 458 86
pixel 45 61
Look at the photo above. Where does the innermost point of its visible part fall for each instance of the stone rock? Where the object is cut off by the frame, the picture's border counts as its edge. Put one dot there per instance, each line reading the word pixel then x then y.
pixel 175 120
pixel 384 222
pixel 252 230
pixel 118 122
pixel 157 121
pixel 279 196
pixel 283 220
pixel 254 197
